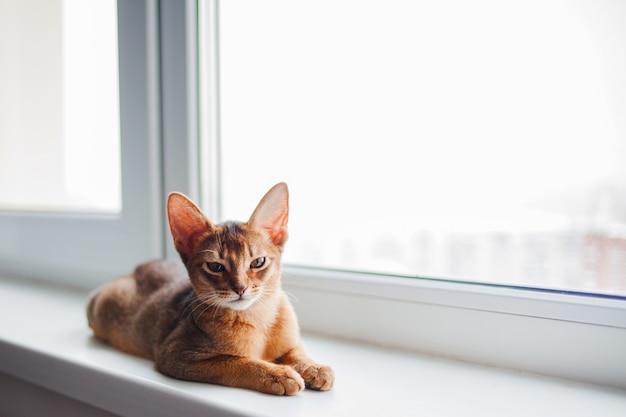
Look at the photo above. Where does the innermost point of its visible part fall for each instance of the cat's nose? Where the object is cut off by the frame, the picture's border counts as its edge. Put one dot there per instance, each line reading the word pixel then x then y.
pixel 240 290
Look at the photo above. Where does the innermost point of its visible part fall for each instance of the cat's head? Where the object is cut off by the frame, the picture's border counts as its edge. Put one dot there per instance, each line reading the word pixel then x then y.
pixel 232 264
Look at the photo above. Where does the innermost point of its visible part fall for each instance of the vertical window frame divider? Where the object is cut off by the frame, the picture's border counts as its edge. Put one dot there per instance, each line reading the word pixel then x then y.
pixel 209 105
pixel 182 153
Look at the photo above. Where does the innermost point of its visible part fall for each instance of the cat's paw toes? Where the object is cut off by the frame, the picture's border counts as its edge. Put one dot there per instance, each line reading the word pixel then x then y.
pixel 318 378
pixel 285 381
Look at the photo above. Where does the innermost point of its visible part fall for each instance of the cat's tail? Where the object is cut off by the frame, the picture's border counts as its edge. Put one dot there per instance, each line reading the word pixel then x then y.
pixel 93 319
pixel 91 306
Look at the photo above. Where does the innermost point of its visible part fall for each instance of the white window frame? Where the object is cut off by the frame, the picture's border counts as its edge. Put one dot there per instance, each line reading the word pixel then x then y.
pixel 561 335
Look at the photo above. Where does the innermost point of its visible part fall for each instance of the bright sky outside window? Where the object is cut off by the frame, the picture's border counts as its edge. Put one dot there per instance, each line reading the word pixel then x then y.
pixel 59 107
pixel 481 141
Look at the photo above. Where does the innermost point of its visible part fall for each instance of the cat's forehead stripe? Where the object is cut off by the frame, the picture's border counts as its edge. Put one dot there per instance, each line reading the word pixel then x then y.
pixel 233 238
pixel 228 239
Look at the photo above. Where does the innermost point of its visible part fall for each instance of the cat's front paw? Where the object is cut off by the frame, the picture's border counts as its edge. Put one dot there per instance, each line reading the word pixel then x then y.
pixel 318 378
pixel 284 380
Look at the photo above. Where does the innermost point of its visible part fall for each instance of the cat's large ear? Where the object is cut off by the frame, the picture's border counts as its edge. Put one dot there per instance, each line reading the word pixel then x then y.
pixel 272 213
pixel 187 223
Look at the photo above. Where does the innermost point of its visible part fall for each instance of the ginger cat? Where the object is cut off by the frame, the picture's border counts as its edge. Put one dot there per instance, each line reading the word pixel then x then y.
pixel 222 319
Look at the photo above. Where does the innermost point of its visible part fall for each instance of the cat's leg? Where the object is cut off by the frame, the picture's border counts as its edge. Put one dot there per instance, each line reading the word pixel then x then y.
pixel 232 371
pixel 316 377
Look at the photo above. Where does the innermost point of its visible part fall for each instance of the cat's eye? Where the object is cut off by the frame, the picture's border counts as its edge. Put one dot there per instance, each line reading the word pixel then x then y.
pixel 215 266
pixel 257 263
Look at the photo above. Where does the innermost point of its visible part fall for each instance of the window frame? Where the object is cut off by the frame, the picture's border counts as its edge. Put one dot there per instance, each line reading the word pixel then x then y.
pixel 556 334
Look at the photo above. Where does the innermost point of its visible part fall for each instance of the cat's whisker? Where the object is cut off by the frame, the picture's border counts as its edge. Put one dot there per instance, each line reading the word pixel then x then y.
pixel 205 300
pixel 191 305
pixel 216 310
pixel 209 302
pixel 291 296
pixel 267 295
pixel 208 307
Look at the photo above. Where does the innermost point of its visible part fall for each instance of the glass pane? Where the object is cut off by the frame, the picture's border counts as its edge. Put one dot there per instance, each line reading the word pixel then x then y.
pixel 59 107
pixel 480 140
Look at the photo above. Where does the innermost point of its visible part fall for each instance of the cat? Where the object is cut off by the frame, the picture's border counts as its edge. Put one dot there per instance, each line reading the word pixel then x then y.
pixel 223 317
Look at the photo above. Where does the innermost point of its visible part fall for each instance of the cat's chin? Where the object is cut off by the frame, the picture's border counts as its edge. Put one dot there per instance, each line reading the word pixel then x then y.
pixel 240 304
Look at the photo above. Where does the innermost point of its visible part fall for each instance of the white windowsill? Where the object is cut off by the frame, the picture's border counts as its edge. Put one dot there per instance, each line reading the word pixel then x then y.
pixel 44 340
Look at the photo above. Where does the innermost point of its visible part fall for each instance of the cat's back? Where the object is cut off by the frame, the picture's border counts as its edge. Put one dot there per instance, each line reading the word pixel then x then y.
pixel 131 312
pixel 154 275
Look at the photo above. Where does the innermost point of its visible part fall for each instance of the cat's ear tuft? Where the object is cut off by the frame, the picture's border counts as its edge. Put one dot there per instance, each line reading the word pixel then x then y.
pixel 187 223
pixel 272 213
